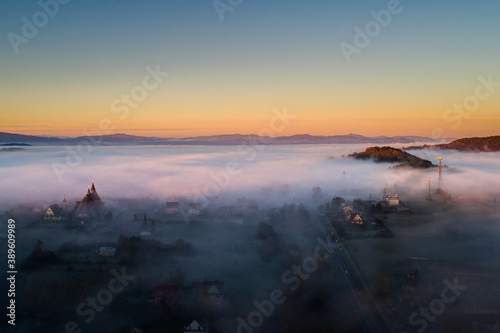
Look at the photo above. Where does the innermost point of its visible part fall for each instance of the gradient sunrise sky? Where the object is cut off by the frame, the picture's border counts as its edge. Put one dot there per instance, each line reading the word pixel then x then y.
pixel 226 76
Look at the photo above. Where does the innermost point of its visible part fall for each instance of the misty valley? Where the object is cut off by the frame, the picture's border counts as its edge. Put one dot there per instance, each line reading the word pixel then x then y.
pixel 298 238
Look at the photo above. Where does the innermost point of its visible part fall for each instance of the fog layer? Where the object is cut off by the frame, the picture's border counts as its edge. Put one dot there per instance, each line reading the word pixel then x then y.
pixel 276 173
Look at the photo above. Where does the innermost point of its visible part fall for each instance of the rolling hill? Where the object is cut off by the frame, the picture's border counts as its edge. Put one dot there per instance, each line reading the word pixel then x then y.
pixel 392 155
pixel 483 144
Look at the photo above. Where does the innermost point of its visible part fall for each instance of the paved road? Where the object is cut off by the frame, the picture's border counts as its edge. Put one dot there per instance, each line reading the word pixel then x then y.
pixel 347 275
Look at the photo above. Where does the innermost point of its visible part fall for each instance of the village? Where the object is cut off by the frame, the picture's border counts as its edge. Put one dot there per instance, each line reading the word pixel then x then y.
pixel 189 275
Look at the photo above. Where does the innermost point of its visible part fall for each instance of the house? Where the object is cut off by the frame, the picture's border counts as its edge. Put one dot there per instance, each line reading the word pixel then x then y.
pixel 253 210
pixel 90 205
pixel 392 200
pixel 198 325
pixel 347 209
pixel 244 202
pixel 172 207
pixel 355 218
pixel 166 294
pixel 214 294
pixel 107 251
pixel 192 208
pixel 146 229
pixel 213 291
pixel 210 291
pixel 53 213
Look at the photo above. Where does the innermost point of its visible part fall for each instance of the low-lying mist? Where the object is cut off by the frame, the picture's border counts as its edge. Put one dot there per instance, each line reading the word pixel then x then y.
pixel 270 174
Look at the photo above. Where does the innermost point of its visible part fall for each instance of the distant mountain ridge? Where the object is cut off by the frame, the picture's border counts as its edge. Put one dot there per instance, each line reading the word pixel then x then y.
pixel 227 139
pixel 14 144
pixel 484 144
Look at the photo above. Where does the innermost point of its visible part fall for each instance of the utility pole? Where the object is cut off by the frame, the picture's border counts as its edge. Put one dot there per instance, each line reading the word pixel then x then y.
pixel 440 183
pixel 429 197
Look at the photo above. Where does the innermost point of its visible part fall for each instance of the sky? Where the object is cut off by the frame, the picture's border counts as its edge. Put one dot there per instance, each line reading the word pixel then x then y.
pixel 429 68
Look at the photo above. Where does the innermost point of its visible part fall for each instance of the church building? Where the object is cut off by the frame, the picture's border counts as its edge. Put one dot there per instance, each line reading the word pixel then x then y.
pixel 91 204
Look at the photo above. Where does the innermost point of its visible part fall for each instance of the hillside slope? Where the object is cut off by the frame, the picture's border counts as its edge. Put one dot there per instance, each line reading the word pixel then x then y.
pixel 483 144
pixel 392 155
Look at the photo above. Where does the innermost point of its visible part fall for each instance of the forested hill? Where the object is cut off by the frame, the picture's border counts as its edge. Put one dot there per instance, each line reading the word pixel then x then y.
pixel 484 144
pixel 392 155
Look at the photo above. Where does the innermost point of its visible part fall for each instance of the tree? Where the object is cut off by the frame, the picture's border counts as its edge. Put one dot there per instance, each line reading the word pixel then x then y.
pixel 38 258
pixel 380 287
pixel 177 277
pixel 317 194
pixel 122 242
pixel 338 201
pixel 38 249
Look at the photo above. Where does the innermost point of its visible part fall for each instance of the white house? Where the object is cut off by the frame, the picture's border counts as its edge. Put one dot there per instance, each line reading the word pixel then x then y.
pixel 195 326
pixel 146 231
pixel 215 295
pixel 392 200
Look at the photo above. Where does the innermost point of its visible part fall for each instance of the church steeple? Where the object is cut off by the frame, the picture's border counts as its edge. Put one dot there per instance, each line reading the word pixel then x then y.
pixel 93 186
pixel 88 189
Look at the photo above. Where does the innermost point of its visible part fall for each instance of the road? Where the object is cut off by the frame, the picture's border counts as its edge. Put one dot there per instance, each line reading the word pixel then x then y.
pixel 348 276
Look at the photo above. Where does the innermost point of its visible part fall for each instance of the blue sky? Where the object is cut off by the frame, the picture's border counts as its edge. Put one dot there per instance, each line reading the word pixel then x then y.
pixel 264 54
